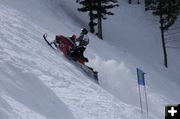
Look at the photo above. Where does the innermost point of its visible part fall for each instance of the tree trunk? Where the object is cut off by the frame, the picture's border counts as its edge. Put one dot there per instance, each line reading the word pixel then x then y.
pixel 162 35
pixel 91 23
pixel 99 21
pixel 100 28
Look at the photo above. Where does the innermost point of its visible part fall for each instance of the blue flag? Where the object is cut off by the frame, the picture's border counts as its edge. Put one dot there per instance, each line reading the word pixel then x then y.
pixel 140 76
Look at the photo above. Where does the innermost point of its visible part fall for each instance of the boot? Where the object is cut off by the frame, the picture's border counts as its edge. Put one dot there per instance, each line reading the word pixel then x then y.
pixel 85 59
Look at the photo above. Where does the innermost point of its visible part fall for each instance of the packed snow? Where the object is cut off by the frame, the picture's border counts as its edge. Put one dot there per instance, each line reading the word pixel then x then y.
pixel 39 83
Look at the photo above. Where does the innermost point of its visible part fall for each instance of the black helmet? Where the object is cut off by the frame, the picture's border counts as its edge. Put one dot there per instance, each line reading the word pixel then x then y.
pixel 84 31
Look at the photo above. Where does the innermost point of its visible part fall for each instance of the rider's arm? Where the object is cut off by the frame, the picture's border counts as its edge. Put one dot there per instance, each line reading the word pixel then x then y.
pixel 80 37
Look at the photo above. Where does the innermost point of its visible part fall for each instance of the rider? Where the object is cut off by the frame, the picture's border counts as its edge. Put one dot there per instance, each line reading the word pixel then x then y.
pixel 80 44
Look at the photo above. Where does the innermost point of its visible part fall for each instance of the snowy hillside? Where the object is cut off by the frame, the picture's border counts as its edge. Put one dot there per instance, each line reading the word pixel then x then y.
pixel 37 82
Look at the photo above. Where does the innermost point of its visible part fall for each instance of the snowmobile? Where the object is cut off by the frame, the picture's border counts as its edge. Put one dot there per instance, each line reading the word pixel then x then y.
pixel 65 45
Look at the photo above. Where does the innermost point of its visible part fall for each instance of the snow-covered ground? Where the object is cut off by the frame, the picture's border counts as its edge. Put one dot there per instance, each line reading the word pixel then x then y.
pixel 38 83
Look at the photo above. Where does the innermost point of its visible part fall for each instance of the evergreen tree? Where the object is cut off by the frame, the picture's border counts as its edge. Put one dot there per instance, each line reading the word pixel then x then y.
pixel 98 9
pixel 167 10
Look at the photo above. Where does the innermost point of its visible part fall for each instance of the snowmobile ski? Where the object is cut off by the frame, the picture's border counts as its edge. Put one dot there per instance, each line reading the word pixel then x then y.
pixel 45 38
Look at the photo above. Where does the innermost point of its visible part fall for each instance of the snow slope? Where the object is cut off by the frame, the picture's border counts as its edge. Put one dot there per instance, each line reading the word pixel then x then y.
pixel 36 82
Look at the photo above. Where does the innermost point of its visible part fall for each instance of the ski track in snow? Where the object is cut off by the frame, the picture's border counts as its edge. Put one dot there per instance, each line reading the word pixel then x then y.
pixel 27 64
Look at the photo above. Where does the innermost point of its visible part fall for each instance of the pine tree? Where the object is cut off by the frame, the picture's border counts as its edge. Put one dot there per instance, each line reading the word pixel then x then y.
pixel 98 9
pixel 167 10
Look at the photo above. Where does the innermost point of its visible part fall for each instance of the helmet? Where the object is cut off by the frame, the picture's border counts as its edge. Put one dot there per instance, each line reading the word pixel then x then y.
pixel 84 31
pixel 73 36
